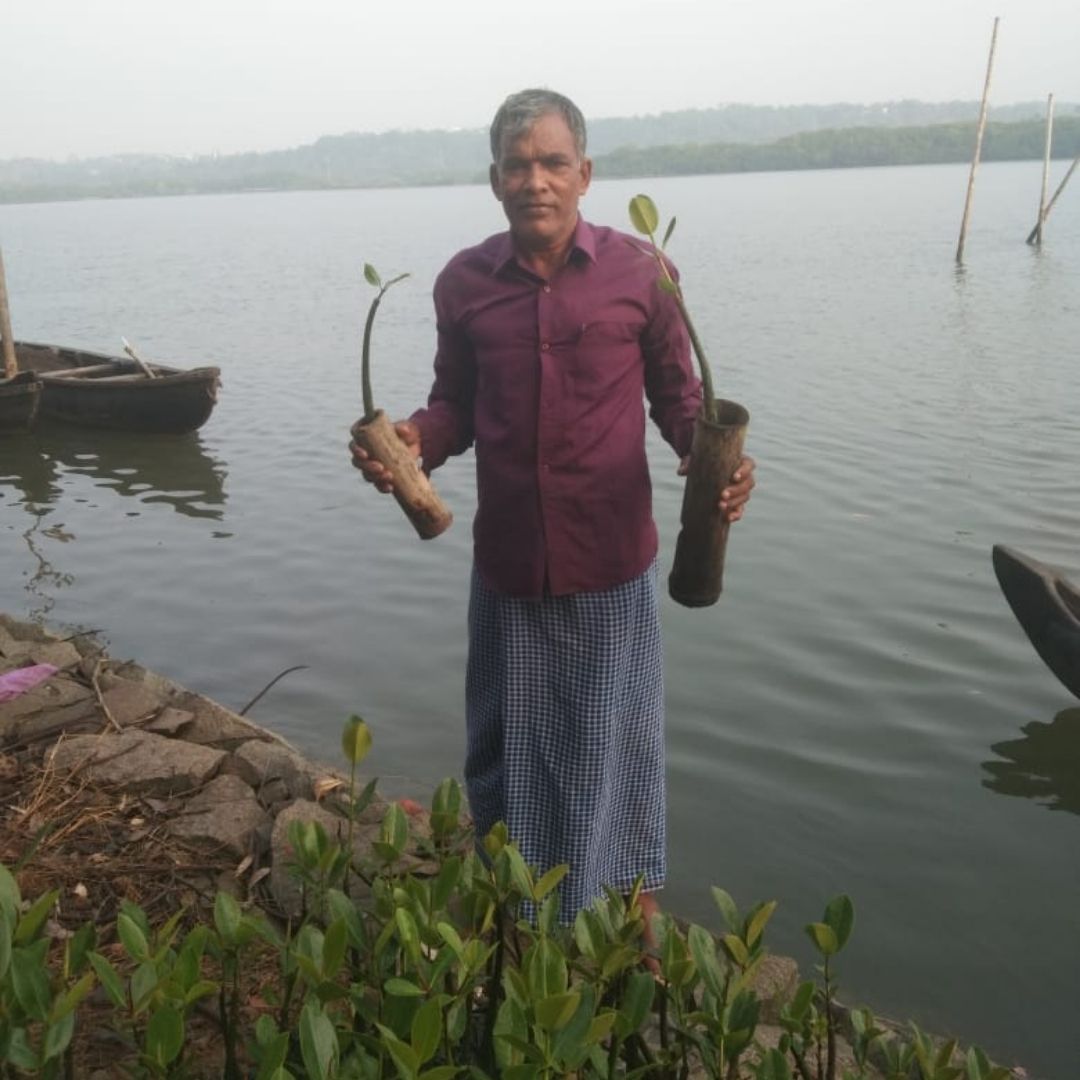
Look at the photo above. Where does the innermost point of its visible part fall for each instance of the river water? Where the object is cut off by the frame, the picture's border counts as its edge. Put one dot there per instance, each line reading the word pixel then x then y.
pixel 859 713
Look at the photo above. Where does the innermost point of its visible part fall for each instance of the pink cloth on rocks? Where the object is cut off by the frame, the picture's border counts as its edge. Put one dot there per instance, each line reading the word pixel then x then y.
pixel 14 683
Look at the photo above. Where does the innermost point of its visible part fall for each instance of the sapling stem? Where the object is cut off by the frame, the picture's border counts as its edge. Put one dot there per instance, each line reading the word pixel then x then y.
pixel 645 218
pixel 372 276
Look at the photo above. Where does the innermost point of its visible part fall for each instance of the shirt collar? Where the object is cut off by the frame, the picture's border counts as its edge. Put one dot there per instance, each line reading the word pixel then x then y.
pixel 583 242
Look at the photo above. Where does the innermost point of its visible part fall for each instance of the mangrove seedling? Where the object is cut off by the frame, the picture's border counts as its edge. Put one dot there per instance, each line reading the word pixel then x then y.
pixel 372 277
pixel 646 219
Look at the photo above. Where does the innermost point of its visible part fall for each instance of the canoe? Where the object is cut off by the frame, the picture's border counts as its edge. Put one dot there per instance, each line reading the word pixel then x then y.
pixel 19 400
pixel 1047 606
pixel 95 390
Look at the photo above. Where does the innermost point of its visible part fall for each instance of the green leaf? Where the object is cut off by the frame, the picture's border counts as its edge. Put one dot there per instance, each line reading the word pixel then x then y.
pixel 496 839
pixel 108 978
pixel 397 987
pixel 773 1066
pixel 801 1000
pixel 356 737
pixel 57 1036
pixel 334 945
pixel 667 233
pixel 426 1030
pixel 668 286
pixel 318 1041
pixel 727 908
pixel 78 946
pixel 840 916
pixel 10 897
pixel 446 882
pixel 520 874
pixel 408 933
pixel 703 950
pixel 143 984
pixel 440 1072
pixel 372 275
pixel 601 1027
pixel 551 880
pixel 545 970
pixel 556 1011
pixel 736 949
pixel 35 918
pixel 132 938
pixel 394 831
pixel 643 215
pixel 20 1053
pixel 227 916
pixel 403 1054
pixel 165 1035
pixel 823 937
pixel 756 926
pixel 636 1000
pixel 452 938
pixel 5 942
pixel 69 1001
pixel 30 982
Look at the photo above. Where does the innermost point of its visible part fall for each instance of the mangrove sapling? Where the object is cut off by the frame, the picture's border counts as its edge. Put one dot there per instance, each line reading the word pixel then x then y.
pixel 696 579
pixel 376 435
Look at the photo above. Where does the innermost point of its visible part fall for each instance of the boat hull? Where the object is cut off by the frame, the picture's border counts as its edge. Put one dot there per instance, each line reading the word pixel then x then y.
pixel 19 401
pixel 114 393
pixel 1047 606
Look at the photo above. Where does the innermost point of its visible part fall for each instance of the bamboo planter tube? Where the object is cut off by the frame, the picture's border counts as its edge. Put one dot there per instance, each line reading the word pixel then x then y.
pixel 697 576
pixel 412 488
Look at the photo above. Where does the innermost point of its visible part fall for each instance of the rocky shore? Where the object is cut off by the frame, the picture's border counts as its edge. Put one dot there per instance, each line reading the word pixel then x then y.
pixel 117 784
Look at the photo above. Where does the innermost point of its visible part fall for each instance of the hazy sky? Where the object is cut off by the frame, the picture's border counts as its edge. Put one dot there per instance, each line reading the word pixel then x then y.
pixel 84 77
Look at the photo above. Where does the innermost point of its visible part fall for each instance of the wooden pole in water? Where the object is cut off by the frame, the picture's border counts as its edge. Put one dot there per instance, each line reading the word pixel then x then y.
pixel 1046 167
pixel 1050 204
pixel 11 367
pixel 978 144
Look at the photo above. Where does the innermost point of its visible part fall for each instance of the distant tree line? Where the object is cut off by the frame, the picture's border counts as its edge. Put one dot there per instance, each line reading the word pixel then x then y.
pixel 735 138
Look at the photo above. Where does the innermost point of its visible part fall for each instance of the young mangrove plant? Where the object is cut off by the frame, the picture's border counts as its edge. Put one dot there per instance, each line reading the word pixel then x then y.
pixel 372 277
pixel 379 438
pixel 646 219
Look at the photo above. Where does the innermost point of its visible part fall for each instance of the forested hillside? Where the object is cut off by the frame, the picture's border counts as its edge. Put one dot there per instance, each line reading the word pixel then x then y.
pixel 731 138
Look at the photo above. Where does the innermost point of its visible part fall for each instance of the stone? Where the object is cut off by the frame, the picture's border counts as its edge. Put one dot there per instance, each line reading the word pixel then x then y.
pixel 214 725
pixel 56 692
pixel 138 761
pixel 225 812
pixel 260 762
pixel 169 721
pixel 129 702
pixel 775 983
pixel 61 654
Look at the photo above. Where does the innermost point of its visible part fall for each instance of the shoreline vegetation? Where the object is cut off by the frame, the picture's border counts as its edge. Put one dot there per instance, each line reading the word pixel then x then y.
pixel 728 139
pixel 183 895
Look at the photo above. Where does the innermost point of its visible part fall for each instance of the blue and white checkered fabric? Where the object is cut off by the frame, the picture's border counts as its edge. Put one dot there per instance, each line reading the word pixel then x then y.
pixel 565 713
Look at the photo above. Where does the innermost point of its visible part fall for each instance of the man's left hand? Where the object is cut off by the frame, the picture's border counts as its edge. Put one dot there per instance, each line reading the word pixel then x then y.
pixel 736 495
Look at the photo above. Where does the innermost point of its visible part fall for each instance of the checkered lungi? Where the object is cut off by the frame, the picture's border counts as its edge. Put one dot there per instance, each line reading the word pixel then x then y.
pixel 564 707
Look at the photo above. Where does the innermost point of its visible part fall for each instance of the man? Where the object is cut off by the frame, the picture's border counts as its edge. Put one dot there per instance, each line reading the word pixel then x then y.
pixel 550 336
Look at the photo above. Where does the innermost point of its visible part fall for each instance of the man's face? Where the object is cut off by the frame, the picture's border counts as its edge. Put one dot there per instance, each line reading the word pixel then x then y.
pixel 539 179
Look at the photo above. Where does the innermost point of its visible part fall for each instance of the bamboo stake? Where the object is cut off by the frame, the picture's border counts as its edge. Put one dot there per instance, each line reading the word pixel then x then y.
pixel 11 367
pixel 1046 167
pixel 978 144
pixel 1050 204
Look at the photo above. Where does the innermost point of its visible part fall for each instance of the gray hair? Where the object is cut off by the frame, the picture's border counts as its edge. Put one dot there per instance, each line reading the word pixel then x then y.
pixel 520 111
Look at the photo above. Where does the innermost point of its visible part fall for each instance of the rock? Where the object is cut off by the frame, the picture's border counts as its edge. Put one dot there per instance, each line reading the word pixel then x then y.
pixel 260 762
pixel 61 654
pixel 169 721
pixel 16 630
pixel 129 702
pixel 225 812
pixel 213 724
pixel 775 983
pixel 138 761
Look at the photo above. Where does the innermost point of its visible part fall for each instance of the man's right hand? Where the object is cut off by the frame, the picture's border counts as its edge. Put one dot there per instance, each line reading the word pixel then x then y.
pixel 374 473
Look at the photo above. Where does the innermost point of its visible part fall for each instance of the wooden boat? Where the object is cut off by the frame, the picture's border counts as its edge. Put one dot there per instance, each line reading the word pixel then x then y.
pixel 95 390
pixel 1047 606
pixel 19 400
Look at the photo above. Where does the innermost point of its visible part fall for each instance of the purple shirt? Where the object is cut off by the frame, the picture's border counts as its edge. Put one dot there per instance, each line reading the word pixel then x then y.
pixel 548 379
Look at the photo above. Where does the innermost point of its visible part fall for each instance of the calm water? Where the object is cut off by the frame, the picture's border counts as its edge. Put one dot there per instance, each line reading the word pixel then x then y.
pixel 860 712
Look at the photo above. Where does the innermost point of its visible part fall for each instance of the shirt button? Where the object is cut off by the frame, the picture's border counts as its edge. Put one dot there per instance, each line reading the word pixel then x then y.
pixel 545 346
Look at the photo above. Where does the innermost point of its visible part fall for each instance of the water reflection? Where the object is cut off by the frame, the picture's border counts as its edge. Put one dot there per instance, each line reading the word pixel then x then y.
pixel 45 579
pixel 177 471
pixel 1044 765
